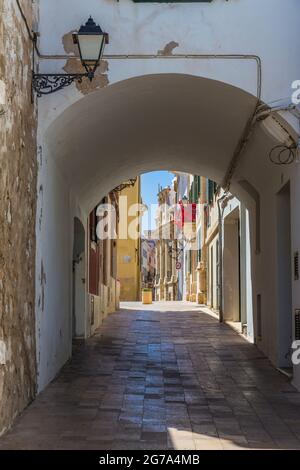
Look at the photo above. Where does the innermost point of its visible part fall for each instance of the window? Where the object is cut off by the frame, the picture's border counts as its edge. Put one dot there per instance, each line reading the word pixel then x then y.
pixel 94 261
pixel 197 188
pixel 211 191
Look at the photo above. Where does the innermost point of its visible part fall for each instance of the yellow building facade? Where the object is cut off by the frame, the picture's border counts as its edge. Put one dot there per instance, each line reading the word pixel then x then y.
pixel 128 257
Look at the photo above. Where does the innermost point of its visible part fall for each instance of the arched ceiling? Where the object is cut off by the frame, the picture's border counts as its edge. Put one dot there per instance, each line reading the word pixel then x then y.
pixel 154 122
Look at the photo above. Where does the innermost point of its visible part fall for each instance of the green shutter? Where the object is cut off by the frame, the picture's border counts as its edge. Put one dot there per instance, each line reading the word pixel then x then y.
pixel 211 191
pixel 191 196
pixel 196 189
pixel 196 192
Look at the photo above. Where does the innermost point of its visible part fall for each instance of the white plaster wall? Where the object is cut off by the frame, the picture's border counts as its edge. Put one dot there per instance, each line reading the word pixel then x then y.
pixel 268 28
pixel 268 179
pixel 55 218
pixel 295 211
pixel 53 281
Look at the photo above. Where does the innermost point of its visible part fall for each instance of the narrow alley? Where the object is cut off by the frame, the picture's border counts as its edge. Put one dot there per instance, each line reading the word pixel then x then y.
pixel 169 376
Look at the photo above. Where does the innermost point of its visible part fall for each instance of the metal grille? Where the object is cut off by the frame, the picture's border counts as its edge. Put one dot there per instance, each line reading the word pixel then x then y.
pixel 296 266
pixel 297 325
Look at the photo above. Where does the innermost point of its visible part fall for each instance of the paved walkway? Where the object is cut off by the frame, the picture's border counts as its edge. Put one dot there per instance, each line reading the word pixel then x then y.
pixel 166 377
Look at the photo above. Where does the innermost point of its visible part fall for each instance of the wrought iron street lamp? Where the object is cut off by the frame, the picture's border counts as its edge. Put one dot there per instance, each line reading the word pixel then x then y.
pixel 91 41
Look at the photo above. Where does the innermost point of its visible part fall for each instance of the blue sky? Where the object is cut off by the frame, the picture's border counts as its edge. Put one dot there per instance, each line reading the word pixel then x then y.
pixel 149 190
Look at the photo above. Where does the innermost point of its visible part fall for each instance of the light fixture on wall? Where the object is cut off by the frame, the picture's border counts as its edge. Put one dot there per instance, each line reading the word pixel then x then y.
pixel 91 41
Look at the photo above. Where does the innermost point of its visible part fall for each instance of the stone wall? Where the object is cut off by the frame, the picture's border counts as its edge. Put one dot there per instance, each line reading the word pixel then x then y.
pixel 17 213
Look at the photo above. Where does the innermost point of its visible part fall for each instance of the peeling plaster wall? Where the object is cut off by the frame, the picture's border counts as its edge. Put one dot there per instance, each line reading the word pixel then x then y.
pixel 17 214
pixel 56 209
pixel 54 232
pixel 75 66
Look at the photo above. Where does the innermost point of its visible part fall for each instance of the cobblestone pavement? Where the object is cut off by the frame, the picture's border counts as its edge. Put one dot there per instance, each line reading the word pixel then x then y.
pixel 166 377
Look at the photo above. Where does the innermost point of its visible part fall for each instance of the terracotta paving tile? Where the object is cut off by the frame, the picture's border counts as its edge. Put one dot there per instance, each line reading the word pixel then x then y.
pixel 234 443
pixel 169 379
pixel 203 444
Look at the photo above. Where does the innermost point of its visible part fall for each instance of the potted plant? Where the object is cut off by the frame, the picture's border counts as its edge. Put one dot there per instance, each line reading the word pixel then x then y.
pixel 147 296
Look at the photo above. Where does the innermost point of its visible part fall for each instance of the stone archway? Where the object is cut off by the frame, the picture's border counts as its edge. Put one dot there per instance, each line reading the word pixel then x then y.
pixel 152 122
pixel 162 122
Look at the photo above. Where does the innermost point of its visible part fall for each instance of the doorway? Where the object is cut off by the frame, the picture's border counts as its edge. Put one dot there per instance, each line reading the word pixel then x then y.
pixel 78 323
pixel 284 277
pixel 231 267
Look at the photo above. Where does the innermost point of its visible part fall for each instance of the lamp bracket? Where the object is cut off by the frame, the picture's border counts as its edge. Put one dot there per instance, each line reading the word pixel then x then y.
pixel 45 84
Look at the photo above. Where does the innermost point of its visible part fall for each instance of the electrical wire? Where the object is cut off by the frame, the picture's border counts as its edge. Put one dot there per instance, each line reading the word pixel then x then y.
pixel 287 155
pixel 32 35
pixel 283 155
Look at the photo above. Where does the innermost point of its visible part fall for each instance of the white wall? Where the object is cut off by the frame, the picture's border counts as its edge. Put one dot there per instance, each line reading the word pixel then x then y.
pixel 53 280
pixel 268 28
pixel 295 211
pixel 55 219
pixel 268 180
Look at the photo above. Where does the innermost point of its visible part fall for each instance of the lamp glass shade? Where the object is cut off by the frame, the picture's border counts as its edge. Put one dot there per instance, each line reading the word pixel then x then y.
pixel 91 48
pixel 91 41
